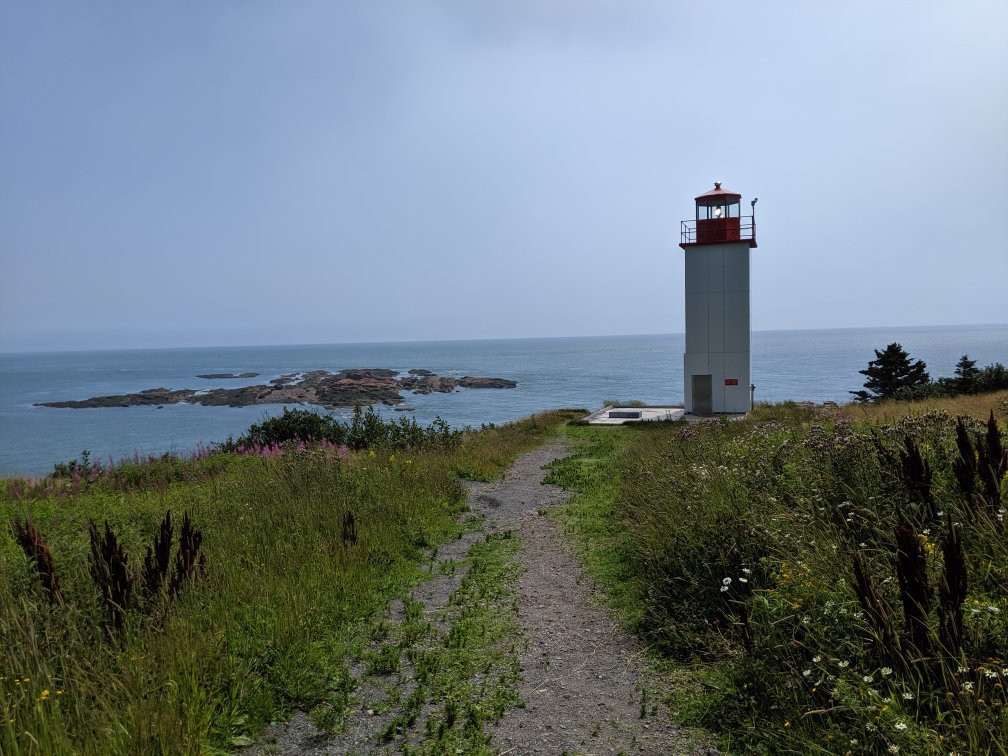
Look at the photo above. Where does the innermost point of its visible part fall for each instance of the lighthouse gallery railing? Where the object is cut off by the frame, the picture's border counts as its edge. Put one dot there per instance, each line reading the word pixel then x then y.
pixel 717 230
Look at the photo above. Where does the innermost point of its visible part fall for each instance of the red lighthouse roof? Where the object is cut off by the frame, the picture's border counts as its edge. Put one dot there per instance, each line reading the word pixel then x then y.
pixel 718 196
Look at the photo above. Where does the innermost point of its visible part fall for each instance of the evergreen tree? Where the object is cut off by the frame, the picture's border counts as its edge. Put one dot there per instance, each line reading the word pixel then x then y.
pixel 890 371
pixel 966 374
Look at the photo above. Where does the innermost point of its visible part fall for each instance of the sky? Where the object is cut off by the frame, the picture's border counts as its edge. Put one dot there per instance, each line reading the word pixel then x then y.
pixel 182 173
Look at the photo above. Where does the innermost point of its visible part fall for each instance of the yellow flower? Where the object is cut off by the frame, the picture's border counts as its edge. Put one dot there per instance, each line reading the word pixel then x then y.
pixel 44 695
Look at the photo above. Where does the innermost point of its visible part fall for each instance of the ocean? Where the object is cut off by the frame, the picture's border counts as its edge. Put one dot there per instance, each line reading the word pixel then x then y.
pixel 816 365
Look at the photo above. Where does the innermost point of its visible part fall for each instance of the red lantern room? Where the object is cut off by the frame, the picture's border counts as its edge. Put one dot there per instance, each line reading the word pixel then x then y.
pixel 719 220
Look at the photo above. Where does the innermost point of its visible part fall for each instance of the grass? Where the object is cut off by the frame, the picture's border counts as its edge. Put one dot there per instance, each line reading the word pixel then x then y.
pixel 286 598
pixel 975 405
pixel 810 580
pixel 466 677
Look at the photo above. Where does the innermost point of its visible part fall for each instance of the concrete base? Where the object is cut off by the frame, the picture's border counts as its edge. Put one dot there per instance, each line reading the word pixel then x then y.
pixel 621 415
pixel 691 418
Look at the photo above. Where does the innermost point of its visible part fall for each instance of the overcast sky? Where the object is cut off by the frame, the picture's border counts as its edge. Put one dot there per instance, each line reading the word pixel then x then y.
pixel 240 172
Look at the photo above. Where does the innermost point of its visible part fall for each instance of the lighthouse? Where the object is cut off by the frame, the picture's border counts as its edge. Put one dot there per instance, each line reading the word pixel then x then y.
pixel 716 363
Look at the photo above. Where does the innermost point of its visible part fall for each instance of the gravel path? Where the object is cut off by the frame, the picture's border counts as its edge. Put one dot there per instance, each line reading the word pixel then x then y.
pixel 583 678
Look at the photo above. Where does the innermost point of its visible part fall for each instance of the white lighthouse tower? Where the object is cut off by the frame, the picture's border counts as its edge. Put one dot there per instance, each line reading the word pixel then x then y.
pixel 716 362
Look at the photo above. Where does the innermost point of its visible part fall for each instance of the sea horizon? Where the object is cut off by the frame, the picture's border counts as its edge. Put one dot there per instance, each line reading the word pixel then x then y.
pixel 567 371
pixel 396 342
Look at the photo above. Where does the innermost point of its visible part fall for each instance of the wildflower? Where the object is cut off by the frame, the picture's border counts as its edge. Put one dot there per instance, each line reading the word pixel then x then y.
pixel 807 672
pixel 44 695
pixel 894 748
pixel 962 670
pixel 868 679
pixel 726 581
pixel 863 545
pixel 852 741
pixel 967 686
pixel 885 671
pixel 746 571
pixel 724 589
pixel 993 610
pixel 743 580
pixel 907 695
pixel 900 726
pixel 926 531
pixel 817 659
pixel 843 664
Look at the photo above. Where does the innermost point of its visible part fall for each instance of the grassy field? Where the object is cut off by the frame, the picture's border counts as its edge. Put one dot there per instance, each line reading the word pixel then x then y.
pixel 812 581
pixel 301 554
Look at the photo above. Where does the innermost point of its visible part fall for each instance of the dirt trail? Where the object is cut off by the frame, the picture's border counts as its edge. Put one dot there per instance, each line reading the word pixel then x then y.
pixel 583 679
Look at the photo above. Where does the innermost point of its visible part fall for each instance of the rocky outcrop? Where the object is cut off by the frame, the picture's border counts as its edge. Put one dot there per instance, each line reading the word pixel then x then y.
pixel 152 396
pixel 475 381
pixel 428 384
pixel 214 376
pixel 347 388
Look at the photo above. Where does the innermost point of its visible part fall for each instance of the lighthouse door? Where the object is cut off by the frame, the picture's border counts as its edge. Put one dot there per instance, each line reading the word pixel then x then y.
pixel 702 395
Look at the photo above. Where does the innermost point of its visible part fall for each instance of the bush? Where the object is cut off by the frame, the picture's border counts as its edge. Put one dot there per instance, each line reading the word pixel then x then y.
pixel 306 427
pixel 848 582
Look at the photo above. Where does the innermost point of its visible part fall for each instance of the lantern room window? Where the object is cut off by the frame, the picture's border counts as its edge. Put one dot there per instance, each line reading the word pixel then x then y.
pixel 717 211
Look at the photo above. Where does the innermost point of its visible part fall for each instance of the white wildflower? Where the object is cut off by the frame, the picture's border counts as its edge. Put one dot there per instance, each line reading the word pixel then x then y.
pixel 724 589
pixel 726 581
pixel 885 671
pixel 843 664
pixel 907 695
pixel 900 726
pixel 816 659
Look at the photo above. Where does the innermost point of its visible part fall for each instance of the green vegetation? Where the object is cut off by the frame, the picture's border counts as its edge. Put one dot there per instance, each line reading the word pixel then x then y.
pixel 891 371
pixel 300 426
pixel 893 375
pixel 813 583
pixel 467 676
pixel 301 551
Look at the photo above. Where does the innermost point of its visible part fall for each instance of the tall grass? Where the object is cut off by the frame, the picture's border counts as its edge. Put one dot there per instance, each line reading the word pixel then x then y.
pixel 270 623
pixel 841 585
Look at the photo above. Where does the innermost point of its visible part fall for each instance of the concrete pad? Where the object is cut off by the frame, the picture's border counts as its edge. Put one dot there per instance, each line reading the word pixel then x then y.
pixel 621 415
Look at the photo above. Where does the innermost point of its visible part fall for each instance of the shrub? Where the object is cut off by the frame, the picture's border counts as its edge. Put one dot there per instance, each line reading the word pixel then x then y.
pixel 366 429
pixel 848 582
